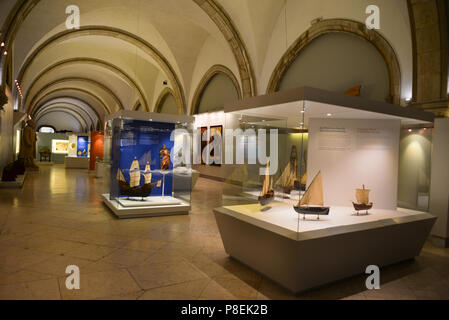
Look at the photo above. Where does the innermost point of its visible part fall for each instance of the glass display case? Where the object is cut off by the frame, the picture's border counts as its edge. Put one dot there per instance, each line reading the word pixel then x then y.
pixel 150 164
pixel 311 188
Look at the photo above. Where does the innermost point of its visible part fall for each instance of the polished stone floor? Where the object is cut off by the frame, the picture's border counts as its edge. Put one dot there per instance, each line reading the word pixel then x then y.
pixel 58 219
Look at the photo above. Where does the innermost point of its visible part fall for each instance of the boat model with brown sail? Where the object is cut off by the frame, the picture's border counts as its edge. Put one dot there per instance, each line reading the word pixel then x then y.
pixel 289 177
pixel 133 188
pixel 362 196
pixel 267 195
pixel 312 200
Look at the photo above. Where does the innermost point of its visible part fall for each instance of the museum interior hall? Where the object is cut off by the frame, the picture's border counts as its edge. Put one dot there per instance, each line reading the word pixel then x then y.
pixel 224 149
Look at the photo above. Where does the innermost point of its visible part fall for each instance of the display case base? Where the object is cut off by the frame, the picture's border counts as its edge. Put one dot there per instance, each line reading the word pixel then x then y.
pixel 136 209
pixel 300 261
pixel 76 163
pixel 18 184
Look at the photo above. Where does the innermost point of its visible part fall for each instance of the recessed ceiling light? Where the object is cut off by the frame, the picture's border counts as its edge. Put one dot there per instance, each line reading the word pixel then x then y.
pixel 329 114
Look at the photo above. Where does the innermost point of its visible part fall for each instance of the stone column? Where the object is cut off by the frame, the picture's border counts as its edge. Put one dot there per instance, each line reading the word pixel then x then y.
pixel 439 185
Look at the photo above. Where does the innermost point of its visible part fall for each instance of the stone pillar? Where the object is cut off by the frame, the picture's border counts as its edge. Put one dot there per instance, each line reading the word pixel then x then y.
pixel 439 185
pixel 429 25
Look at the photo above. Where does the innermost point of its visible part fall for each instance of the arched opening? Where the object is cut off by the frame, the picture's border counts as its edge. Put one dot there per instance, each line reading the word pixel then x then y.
pixel 217 92
pixel 168 105
pixel 337 62
pixel 46 129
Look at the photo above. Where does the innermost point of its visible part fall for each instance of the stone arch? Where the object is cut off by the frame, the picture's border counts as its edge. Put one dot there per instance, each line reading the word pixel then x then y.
pixel 70 105
pixel 70 113
pixel 91 81
pixel 346 26
pixel 73 113
pixel 214 70
pixel 216 13
pixel 37 102
pixel 44 104
pixel 158 105
pixel 96 62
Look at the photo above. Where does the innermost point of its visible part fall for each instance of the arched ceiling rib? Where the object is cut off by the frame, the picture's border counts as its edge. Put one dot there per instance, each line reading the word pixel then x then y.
pixel 84 123
pixel 87 61
pixel 95 102
pixel 75 80
pixel 69 102
pixel 176 29
pixel 92 119
pixel 105 39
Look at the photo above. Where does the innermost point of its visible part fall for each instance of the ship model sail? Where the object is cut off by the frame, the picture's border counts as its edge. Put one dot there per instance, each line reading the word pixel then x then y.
pixel 133 188
pixel 267 194
pixel 312 200
pixel 289 177
pixel 362 196
pixel 147 173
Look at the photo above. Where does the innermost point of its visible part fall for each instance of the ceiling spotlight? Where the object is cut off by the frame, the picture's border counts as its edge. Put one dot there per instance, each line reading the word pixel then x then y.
pixel 329 114
pixel 2 44
pixel 5 53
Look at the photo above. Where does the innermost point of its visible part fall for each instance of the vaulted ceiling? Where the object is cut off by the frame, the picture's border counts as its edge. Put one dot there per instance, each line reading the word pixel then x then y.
pixel 126 49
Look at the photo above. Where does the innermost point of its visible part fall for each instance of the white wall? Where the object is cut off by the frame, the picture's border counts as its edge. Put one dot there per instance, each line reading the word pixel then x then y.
pixel 364 152
pixel 6 132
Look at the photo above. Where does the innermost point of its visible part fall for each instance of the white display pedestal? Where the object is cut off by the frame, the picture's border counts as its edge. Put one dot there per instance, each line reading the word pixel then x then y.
pixel 331 249
pixel 76 163
pixel 99 169
pixel 18 184
pixel 158 206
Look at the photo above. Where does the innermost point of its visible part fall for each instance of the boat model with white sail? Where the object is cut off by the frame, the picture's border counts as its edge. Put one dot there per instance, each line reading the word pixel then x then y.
pixel 312 200
pixel 133 188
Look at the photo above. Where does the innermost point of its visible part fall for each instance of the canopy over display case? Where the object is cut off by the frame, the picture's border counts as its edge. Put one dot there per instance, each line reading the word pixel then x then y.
pixel 150 171
pixel 325 206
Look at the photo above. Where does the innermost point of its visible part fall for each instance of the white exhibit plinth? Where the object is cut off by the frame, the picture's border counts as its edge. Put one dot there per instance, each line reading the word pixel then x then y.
pixel 76 163
pixel 323 251
pixel 150 207
pixel 18 184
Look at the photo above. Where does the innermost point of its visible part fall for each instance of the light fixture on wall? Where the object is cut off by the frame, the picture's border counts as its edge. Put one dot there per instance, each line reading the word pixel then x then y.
pixel 329 114
pixel 19 89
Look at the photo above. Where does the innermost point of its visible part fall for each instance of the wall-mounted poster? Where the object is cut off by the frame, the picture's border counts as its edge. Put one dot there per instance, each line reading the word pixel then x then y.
pixel 82 146
pixel 216 153
pixel 203 143
pixel 60 146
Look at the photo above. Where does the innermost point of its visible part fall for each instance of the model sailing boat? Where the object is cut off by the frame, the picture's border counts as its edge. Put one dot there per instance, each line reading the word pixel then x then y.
pixel 289 176
pixel 133 188
pixel 267 195
pixel 312 200
pixel 362 196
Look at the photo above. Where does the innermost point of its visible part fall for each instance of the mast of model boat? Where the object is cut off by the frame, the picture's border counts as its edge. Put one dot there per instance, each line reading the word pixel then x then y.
pixel 266 180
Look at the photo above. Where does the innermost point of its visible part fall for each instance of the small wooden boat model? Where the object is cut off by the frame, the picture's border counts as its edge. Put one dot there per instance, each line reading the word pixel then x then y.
pixel 267 195
pixel 363 204
pixel 312 200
